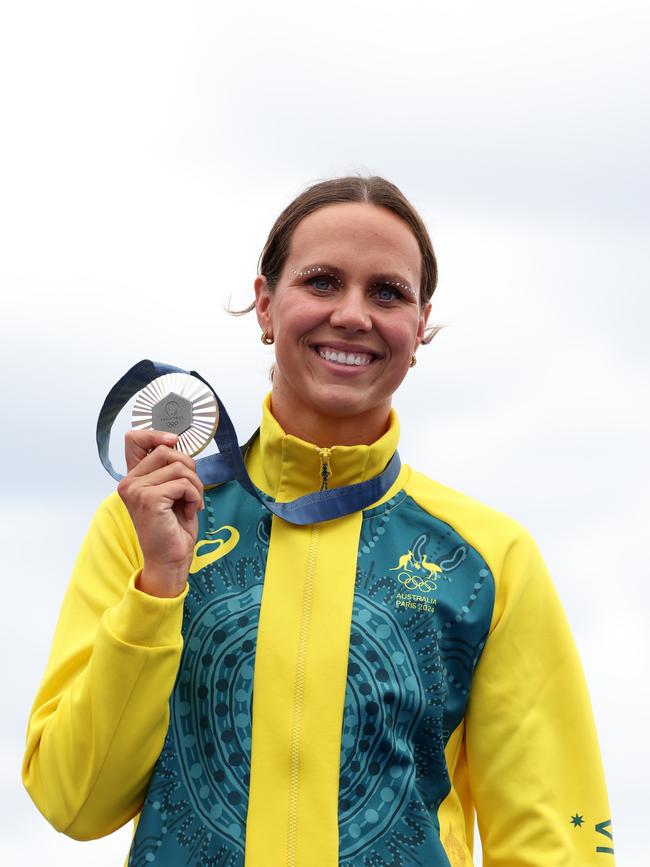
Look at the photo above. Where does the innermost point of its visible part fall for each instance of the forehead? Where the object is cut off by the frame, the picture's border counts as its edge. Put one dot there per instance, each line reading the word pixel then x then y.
pixel 355 234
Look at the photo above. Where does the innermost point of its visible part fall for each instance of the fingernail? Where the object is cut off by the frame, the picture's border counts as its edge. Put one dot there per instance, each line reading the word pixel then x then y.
pixel 171 437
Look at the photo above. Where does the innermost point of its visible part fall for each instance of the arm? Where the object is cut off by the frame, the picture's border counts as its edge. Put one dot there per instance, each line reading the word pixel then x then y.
pixel 532 751
pixel 101 713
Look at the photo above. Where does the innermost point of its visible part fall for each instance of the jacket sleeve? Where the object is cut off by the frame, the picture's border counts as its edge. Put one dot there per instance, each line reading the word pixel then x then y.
pixel 534 764
pixel 101 713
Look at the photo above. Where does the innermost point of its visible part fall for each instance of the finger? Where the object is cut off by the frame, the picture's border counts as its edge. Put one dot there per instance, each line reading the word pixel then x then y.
pixel 138 444
pixel 161 456
pixel 174 470
pixel 174 491
pixel 186 512
pixel 154 501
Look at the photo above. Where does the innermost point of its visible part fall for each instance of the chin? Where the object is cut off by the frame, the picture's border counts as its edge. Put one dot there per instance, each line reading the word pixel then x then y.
pixel 337 402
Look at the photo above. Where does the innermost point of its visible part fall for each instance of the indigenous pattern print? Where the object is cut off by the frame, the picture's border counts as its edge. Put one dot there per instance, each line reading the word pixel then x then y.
pixel 422 607
pixel 418 587
pixel 195 810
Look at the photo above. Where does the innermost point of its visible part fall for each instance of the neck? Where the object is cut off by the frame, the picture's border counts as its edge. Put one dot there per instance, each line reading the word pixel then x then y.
pixel 285 465
pixel 325 431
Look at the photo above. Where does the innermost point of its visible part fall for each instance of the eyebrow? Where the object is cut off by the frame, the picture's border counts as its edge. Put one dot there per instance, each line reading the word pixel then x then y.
pixel 382 277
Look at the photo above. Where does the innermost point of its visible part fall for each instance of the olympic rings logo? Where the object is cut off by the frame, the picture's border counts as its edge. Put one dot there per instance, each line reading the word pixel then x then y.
pixel 412 582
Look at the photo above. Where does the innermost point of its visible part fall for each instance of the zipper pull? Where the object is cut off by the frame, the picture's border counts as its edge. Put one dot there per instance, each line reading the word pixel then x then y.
pixel 325 468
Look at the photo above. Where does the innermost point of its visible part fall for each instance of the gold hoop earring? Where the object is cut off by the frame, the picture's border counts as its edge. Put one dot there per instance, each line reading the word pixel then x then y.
pixel 414 361
pixel 266 338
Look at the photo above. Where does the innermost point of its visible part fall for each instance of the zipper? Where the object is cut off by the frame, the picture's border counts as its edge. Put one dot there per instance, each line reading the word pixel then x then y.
pixel 299 696
pixel 325 467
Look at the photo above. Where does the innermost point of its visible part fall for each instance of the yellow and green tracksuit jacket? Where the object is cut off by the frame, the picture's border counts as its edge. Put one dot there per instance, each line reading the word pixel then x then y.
pixel 346 693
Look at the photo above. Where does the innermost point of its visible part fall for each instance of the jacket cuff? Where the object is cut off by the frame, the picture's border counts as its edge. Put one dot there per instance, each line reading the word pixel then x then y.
pixel 147 621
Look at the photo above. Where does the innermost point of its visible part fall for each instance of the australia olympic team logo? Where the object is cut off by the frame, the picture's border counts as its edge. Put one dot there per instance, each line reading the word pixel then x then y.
pixel 420 575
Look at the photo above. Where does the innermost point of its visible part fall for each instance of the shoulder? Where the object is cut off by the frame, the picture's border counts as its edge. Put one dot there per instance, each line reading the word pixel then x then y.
pixel 460 509
pixel 490 532
pixel 507 549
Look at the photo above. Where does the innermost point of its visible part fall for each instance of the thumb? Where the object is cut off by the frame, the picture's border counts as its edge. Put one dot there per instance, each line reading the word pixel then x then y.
pixel 138 444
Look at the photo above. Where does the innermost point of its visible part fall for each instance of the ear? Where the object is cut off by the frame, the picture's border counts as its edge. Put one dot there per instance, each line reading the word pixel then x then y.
pixel 422 324
pixel 263 299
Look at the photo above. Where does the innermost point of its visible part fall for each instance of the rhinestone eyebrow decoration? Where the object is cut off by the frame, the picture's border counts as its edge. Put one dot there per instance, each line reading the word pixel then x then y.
pixel 308 271
pixel 317 269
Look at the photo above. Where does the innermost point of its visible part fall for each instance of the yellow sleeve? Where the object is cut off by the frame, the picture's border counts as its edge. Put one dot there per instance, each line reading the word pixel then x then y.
pixel 100 716
pixel 534 764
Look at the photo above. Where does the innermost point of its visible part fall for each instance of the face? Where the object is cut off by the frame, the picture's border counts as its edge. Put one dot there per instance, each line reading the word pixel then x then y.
pixel 345 315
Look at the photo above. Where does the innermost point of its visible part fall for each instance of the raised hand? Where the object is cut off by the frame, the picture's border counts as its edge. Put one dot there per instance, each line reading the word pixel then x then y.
pixel 163 495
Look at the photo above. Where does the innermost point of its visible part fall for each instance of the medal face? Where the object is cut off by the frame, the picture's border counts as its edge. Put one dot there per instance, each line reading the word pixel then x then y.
pixel 181 404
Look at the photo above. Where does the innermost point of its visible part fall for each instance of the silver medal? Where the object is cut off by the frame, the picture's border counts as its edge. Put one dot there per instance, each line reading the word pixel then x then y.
pixel 181 404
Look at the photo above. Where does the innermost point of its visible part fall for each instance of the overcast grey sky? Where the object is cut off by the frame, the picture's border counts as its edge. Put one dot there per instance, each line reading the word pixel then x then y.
pixel 146 149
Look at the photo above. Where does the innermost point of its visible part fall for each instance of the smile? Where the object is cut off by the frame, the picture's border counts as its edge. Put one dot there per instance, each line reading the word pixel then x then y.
pixel 338 356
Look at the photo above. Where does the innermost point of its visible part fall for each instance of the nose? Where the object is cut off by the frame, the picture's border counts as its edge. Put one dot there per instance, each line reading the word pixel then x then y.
pixel 351 311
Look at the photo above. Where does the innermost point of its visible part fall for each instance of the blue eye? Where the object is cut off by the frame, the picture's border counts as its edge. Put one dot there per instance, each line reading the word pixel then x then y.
pixel 321 283
pixel 386 293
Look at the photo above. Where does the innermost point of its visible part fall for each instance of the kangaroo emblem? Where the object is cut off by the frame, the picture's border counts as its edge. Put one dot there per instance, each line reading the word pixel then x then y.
pixel 408 568
pixel 403 563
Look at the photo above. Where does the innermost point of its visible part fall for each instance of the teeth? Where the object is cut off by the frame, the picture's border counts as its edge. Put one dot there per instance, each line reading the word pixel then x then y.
pixel 351 358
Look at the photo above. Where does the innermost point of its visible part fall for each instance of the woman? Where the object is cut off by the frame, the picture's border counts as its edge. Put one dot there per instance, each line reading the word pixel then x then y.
pixel 346 692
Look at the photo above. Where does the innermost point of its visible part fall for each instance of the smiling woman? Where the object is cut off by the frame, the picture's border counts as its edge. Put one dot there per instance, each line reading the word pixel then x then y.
pixel 348 692
pixel 345 333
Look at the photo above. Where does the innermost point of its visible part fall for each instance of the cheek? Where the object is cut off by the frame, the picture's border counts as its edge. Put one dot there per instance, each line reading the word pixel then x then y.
pixel 291 326
pixel 297 320
pixel 403 336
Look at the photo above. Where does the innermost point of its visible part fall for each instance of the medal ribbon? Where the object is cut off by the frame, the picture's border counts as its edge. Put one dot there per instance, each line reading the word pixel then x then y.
pixel 229 463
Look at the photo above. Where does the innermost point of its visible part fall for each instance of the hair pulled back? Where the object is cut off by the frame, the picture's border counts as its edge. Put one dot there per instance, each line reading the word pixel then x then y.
pixel 372 190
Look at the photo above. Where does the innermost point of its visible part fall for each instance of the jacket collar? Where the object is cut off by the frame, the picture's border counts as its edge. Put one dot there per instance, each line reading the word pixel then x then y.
pixel 286 467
